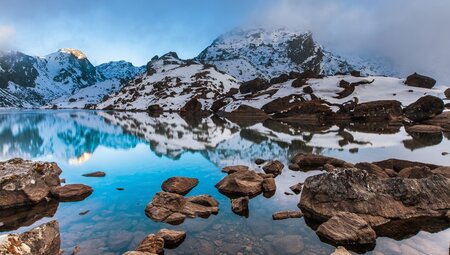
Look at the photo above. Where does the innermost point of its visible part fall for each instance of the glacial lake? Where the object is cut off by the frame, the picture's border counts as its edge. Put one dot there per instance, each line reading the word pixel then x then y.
pixel 138 152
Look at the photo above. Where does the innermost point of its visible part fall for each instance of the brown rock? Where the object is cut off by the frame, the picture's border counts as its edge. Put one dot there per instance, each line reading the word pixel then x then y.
pixel 341 251
pixel 71 192
pixel 268 185
pixel 378 110
pixel 179 185
pixel 421 81
pixel 152 244
pixel 297 188
pixel 443 170
pixel 23 182
pixel 273 167
pixel 244 183
pixel 260 161
pixel 234 169
pixel 254 86
pixel 240 205
pixel 347 228
pixel 172 238
pixel 426 129
pixel 294 167
pixel 398 164
pixel 415 172
pixel 286 215
pixel 308 161
pixel 447 93
pixel 246 115
pixel 424 108
pixel 372 169
pixel 192 107
pixel 95 174
pixel 42 240
pixel 282 104
pixel 205 200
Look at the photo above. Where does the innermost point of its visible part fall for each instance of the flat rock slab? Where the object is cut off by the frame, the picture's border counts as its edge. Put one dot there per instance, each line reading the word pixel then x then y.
pixel 424 129
pixel 172 238
pixel 179 185
pixel 287 215
pixel 174 208
pixel 42 240
pixel 95 174
pixel 347 228
pixel 239 184
pixel 71 192
pixel 310 161
pixel 24 182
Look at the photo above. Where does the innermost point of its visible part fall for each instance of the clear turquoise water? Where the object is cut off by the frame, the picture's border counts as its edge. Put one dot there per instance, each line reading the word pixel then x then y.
pixel 139 152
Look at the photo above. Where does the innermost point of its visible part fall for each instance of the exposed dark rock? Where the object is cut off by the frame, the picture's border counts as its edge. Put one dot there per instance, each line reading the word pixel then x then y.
pixel 311 161
pixel 246 115
pixel 415 172
pixel 243 183
pixel 286 215
pixel 308 90
pixel 273 167
pixel 306 112
pixel 421 81
pixel 42 240
pixel 378 110
pixel 297 188
pixel 192 107
pixel 234 169
pixel 95 174
pixel 282 104
pixel 355 73
pixel 254 86
pixel 280 79
pixel 347 228
pixel 269 185
pixel 174 208
pixel 260 161
pixel 240 205
pixel 424 108
pixel 299 82
pixel 398 164
pixel 23 182
pixel 372 169
pixel 179 185
pixel 71 192
pixel 427 129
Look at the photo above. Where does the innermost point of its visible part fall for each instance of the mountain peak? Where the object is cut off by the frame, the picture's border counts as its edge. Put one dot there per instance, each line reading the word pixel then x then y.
pixel 76 53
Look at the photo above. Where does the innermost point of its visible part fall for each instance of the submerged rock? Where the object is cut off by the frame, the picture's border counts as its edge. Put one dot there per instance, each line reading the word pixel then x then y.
pixel 152 244
pixel 179 185
pixel 269 185
pixel 71 192
pixel 42 240
pixel 421 81
pixel 347 228
pixel 286 215
pixel 243 183
pixel 23 182
pixel 234 169
pixel 273 167
pixel 172 238
pixel 341 251
pixel 424 108
pixel 240 206
pixel 174 208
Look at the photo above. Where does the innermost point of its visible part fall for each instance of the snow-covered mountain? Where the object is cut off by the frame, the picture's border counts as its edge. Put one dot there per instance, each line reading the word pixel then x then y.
pixel 251 53
pixel 170 83
pixel 28 81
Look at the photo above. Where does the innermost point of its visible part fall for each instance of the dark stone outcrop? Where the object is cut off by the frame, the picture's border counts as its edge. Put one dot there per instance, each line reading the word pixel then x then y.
pixel 378 110
pixel 398 164
pixel 243 183
pixel 286 215
pixel 282 104
pixel 273 167
pixel 311 161
pixel 95 174
pixel 179 185
pixel 234 169
pixel 254 86
pixel 424 108
pixel 71 192
pixel 421 81
pixel 447 93
pixel 246 115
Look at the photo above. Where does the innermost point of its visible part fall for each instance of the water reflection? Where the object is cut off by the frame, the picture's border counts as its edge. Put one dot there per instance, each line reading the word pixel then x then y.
pixel 138 152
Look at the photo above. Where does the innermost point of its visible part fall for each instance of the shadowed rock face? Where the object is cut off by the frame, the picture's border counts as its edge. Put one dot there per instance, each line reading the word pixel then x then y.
pixel 23 182
pixel 421 81
pixel 424 108
pixel 42 240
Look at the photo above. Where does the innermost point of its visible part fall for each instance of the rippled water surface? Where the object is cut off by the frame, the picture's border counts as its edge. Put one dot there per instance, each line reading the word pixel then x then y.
pixel 138 152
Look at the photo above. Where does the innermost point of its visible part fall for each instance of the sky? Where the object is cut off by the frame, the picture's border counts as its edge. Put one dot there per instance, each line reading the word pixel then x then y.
pixel 412 35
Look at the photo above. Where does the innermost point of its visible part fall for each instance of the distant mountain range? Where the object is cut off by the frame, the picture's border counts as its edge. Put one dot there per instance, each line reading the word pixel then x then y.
pixel 67 79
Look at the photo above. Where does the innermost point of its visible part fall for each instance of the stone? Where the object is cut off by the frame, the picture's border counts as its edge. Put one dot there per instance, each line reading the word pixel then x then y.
pixel 447 93
pixel 269 185
pixel 179 185
pixel 443 170
pixel 421 81
pixel 294 167
pixel 191 108
pixel 313 111
pixel 377 200
pixel 244 183
pixel 297 188
pixel 398 164
pixel 424 108
pixel 16 217
pixel 260 161
pixel 311 161
pixel 172 238
pixel 152 244
pixel 254 86
pixel 42 240
pixel 95 174
pixel 286 215
pixel 234 169
pixel 273 167
pixel 425 129
pixel 246 115
pixel 173 208
pixel 23 182
pixel 282 104
pixel 415 172
pixel 71 192
pixel 372 169
pixel 347 228
pixel 341 251
pixel 240 205
pixel 378 110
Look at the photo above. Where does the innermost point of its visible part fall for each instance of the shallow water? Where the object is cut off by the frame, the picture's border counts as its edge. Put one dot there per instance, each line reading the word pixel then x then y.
pixel 139 152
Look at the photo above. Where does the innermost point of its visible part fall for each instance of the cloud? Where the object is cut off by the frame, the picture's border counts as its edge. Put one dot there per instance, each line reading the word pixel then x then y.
pixel 7 37
pixel 412 35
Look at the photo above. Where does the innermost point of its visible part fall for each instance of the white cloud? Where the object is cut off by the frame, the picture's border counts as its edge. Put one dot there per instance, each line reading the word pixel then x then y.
pixel 7 36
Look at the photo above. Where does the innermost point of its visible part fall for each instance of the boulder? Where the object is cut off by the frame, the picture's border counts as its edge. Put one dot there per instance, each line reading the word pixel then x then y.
pixel 240 206
pixel 152 244
pixel 174 208
pixel 286 215
pixel 260 161
pixel 42 240
pixel 377 200
pixel 424 108
pixel 378 110
pixel 421 81
pixel 443 170
pixel 282 104
pixel 95 174
pixel 172 238
pixel 424 129
pixel 311 161
pixel 23 182
pixel 244 183
pixel 192 107
pixel 398 164
pixel 71 192
pixel 254 86
pixel 246 115
pixel 415 172
pixel 447 93
pixel 179 185
pixel 273 167
pixel 234 169
pixel 313 111
pixel 341 251
pixel 297 188
pixel 269 185
pixel 347 228
pixel 372 169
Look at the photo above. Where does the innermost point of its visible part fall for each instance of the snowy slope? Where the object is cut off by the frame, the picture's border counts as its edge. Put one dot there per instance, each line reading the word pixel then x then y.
pixel 250 53
pixel 170 83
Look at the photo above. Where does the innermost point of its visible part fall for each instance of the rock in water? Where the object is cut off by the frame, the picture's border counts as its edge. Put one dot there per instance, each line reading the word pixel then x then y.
pixel 447 93
pixel 378 110
pixel 42 240
pixel 297 188
pixel 240 206
pixel 23 182
pixel 244 183
pixel 341 251
pixel 152 244
pixel 421 81
pixel 179 185
pixel 172 238
pixel 311 161
pixel 424 108
pixel 269 185
pixel 234 169
pixel 71 192
pixel 273 167
pixel 347 228
pixel 95 174
pixel 286 215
